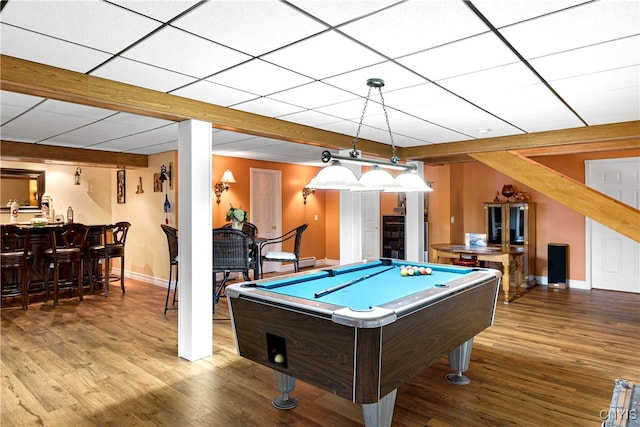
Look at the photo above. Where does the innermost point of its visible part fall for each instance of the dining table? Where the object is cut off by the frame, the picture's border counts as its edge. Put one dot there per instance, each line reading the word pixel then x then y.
pixel 509 256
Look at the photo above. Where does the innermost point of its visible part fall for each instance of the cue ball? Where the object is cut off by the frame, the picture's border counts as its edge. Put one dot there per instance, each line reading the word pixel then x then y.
pixel 279 358
pixel 428 270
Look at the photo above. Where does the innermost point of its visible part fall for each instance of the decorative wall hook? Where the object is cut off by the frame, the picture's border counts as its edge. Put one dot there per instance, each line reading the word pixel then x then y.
pixel 166 174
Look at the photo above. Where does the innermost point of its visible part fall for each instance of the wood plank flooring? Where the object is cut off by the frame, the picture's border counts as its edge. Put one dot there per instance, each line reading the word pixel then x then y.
pixel 550 359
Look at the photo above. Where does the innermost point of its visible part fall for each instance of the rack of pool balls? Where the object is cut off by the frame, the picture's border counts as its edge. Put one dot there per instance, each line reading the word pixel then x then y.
pixel 412 270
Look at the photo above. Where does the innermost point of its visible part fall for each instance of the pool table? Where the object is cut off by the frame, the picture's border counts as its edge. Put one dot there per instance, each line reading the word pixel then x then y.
pixel 361 330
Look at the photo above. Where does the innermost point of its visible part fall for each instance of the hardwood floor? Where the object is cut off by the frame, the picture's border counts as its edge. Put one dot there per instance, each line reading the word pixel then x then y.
pixel 550 359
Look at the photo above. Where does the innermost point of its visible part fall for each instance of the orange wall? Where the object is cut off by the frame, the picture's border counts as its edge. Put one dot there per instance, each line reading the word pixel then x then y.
pixel 460 190
pixel 555 222
pixel 294 211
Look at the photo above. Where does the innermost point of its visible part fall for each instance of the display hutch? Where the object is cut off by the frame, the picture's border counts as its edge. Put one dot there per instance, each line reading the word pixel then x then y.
pixel 393 236
pixel 514 223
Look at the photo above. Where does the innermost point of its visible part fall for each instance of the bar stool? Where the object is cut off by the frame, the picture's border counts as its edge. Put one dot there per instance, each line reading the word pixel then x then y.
pixel 172 241
pixel 113 242
pixel 15 257
pixel 67 246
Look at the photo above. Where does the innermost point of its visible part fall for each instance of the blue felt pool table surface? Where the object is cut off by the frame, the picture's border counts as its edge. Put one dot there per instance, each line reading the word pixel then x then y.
pixel 387 284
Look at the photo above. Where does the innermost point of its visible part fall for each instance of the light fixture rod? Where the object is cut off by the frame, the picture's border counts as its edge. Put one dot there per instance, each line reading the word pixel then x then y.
pixel 326 157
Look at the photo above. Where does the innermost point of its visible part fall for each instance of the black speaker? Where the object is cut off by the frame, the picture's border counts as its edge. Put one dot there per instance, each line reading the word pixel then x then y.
pixel 557 259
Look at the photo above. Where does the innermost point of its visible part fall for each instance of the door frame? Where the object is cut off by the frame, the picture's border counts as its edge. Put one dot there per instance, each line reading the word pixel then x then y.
pixel 253 207
pixel 588 221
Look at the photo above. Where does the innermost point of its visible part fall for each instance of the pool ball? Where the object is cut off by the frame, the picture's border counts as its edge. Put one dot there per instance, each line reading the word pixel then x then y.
pixel 279 358
pixel 428 270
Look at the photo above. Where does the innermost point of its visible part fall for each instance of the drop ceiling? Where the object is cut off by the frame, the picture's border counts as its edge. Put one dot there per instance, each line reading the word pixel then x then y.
pixel 453 70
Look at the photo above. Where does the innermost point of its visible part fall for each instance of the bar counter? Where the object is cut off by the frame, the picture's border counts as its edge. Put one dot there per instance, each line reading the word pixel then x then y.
pixel 41 241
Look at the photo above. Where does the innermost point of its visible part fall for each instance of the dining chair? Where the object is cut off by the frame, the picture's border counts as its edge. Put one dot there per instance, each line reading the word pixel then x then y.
pixel 231 254
pixel 113 244
pixel 172 242
pixel 251 230
pixel 280 256
pixel 16 261
pixel 67 248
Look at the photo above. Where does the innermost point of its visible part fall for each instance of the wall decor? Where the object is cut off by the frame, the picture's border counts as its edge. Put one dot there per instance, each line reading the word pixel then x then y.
pixel 121 185
pixel 139 190
pixel 157 183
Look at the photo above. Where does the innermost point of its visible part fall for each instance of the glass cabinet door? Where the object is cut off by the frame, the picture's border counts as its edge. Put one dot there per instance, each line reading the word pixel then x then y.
pixel 494 224
pixel 517 223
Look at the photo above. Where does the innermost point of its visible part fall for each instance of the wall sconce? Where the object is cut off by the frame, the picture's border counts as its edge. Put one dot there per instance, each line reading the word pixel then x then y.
pixel 77 176
pixel 166 174
pixel 306 192
pixel 223 185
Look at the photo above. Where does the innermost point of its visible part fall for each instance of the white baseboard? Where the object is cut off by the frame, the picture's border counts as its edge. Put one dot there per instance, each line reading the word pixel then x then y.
pixel 572 284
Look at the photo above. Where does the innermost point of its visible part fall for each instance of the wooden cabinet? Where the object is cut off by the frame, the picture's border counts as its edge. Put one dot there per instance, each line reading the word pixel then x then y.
pixel 514 224
pixel 393 236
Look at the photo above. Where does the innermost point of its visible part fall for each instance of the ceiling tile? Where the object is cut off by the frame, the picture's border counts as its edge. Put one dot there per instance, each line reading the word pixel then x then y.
pixel 590 23
pixel 462 57
pixel 461 117
pixel 184 53
pixel 213 93
pixel 395 77
pixel 506 12
pixel 165 137
pixel 76 110
pixel 48 50
pixel 95 24
pixel 606 97
pixel 160 10
pixel 142 75
pixel 314 118
pixel 259 77
pixel 313 95
pixel 253 27
pixel 324 55
pixel 37 125
pixel 592 59
pixel 18 99
pixel 336 12
pixel 411 27
pixel 267 107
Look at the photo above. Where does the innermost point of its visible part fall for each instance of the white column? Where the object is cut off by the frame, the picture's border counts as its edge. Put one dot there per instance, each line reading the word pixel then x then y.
pixel 414 222
pixel 195 314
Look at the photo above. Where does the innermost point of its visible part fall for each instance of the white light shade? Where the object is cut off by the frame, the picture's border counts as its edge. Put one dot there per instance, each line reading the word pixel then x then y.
pixel 377 179
pixel 334 177
pixel 227 177
pixel 410 182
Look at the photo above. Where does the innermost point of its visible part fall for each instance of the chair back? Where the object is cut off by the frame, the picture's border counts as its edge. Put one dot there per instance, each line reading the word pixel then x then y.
pixel 15 244
pixel 247 227
pixel 119 232
pixel 298 242
pixel 231 250
pixel 68 238
pixel 172 241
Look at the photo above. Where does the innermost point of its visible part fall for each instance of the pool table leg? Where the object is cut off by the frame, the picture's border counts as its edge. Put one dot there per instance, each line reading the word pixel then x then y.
pixel 379 414
pixel 284 383
pixel 459 359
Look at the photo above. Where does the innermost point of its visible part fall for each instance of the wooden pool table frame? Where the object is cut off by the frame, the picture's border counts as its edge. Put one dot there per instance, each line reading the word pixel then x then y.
pixel 363 364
